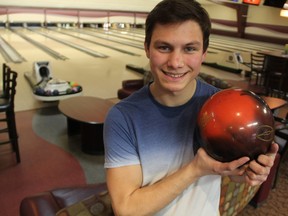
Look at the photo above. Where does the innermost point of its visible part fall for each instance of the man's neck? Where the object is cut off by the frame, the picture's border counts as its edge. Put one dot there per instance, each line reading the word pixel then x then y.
pixel 173 99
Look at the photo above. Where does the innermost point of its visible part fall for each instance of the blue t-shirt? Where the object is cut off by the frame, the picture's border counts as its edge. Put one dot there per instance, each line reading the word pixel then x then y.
pixel 139 130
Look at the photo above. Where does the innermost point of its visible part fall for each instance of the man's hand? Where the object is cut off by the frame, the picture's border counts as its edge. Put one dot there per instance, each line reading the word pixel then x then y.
pixel 206 165
pixel 254 173
pixel 257 171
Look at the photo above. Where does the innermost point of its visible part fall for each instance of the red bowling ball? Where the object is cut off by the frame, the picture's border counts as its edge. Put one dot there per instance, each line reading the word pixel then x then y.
pixel 235 123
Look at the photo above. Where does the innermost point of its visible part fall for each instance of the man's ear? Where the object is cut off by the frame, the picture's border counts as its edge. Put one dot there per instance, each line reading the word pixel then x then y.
pixel 147 50
pixel 204 56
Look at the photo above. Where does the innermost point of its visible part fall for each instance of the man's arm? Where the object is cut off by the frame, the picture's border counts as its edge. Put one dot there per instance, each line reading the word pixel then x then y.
pixel 130 198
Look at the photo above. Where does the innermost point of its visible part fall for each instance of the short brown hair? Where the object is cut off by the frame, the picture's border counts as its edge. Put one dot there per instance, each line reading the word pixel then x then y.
pixel 177 11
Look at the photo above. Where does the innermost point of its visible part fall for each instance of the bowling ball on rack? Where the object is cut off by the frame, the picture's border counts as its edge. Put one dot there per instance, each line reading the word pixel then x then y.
pixel 235 123
pixel 39 91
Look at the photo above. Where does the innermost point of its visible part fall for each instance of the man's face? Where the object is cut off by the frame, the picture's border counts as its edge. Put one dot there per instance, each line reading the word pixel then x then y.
pixel 176 55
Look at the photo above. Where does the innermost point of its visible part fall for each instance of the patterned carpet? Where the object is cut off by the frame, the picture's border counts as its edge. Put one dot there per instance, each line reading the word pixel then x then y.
pixel 276 203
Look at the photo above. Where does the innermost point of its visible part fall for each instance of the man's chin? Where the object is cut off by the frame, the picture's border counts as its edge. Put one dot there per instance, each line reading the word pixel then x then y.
pixel 174 89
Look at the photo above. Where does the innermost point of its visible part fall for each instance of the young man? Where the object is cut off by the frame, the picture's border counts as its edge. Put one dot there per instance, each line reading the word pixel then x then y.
pixel 154 163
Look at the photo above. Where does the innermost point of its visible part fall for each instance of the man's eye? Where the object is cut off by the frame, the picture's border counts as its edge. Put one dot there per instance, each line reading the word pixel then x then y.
pixel 190 49
pixel 163 48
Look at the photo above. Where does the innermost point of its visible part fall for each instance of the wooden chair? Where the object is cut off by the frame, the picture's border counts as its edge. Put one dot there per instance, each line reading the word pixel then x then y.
pixel 276 76
pixel 5 70
pixel 256 65
pixel 8 134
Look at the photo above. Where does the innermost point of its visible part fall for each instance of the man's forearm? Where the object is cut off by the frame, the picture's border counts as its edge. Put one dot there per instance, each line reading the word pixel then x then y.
pixel 150 199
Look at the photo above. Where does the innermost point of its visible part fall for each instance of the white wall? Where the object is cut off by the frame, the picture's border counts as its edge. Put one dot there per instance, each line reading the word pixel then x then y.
pixel 266 15
pixel 256 14
pixel 130 5
pixel 220 12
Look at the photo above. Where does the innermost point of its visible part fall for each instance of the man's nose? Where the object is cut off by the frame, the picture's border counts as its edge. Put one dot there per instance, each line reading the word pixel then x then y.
pixel 176 60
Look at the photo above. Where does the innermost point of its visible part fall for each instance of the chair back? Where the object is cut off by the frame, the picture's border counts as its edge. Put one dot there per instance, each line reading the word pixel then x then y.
pixel 256 65
pixel 5 70
pixel 276 81
pixel 10 86
pixel 257 62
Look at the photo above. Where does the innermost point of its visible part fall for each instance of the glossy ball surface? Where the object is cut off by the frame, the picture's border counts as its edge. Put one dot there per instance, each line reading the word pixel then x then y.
pixel 235 123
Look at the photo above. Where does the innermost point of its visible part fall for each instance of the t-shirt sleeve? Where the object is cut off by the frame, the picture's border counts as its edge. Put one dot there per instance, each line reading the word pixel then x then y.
pixel 119 141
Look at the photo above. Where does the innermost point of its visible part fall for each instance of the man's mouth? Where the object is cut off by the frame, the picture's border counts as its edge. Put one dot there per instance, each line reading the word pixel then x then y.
pixel 173 75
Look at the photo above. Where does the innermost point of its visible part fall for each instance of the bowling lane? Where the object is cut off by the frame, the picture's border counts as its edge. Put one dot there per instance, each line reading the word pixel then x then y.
pixel 92 38
pixel 65 46
pixel 234 54
pixel 73 45
pixel 99 77
pixel 244 47
pixel 9 53
pixel 123 35
pixel 114 38
pixel 24 47
pixel 244 43
pixel 228 51
pixel 137 35
pixel 91 41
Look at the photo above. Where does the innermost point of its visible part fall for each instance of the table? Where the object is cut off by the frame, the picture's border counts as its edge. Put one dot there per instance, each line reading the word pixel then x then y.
pixel 86 115
pixel 274 103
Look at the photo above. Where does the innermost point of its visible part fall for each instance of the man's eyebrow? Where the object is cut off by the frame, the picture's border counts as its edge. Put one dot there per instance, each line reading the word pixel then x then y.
pixel 163 42
pixel 194 43
pixel 160 41
pixel 189 43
